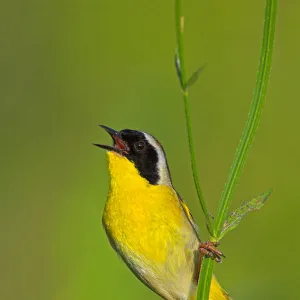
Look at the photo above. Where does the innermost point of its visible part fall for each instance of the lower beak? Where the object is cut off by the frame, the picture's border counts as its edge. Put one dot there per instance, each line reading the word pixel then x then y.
pixel 119 145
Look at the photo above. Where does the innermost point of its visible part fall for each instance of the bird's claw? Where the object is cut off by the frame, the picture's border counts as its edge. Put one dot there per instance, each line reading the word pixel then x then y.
pixel 208 249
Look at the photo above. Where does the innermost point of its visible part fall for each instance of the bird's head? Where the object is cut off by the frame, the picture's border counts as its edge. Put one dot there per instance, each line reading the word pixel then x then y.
pixel 137 151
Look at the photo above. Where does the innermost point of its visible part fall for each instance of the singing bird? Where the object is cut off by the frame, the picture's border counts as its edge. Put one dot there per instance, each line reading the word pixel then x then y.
pixel 147 222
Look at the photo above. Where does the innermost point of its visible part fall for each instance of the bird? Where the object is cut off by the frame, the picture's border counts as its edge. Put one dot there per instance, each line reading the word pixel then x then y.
pixel 148 224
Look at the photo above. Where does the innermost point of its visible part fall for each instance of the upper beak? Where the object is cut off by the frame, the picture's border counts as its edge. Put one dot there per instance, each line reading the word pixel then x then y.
pixel 111 131
pixel 119 145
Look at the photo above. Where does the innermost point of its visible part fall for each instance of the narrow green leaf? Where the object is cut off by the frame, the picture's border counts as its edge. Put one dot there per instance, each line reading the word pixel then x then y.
pixel 236 216
pixel 178 70
pixel 194 77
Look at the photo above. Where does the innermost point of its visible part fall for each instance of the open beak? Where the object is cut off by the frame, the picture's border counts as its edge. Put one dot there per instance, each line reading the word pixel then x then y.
pixel 119 145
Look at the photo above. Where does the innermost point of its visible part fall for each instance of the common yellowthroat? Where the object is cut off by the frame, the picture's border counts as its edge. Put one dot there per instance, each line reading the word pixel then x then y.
pixel 147 222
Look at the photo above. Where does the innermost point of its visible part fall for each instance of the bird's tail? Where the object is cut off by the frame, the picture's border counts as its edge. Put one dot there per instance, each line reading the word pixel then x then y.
pixel 216 292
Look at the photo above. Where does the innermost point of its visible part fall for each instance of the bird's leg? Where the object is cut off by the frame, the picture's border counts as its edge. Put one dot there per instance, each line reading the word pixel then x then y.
pixel 208 249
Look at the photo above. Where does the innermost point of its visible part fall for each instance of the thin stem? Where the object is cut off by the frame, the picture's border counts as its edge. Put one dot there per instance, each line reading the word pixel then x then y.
pixel 246 140
pixel 179 18
pixel 205 279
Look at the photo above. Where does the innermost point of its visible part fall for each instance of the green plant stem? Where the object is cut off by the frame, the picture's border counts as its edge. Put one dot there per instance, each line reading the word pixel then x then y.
pixel 245 142
pixel 183 78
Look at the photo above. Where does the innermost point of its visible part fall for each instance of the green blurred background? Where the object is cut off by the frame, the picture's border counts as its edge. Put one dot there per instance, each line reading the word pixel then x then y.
pixel 67 66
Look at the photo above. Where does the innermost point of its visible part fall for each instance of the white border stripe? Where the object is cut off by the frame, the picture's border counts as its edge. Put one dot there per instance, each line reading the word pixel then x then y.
pixel 163 171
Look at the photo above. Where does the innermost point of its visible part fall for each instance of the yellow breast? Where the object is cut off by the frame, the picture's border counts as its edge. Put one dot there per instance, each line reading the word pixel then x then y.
pixel 142 218
pixel 147 225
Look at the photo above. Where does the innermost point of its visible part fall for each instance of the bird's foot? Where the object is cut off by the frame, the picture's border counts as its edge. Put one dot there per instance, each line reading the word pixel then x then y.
pixel 208 249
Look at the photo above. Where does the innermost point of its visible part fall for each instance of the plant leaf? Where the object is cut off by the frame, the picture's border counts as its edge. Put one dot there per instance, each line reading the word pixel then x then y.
pixel 194 76
pixel 192 79
pixel 236 216
pixel 178 70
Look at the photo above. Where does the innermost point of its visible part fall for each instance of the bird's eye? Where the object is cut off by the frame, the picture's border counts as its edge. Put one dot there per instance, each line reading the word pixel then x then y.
pixel 140 145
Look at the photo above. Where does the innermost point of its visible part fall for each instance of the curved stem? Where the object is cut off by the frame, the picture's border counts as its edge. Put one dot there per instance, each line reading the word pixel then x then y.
pixel 253 117
pixel 245 142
